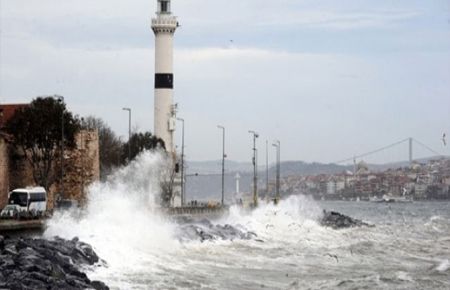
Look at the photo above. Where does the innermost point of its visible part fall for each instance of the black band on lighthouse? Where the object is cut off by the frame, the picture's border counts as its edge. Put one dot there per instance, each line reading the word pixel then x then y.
pixel 163 81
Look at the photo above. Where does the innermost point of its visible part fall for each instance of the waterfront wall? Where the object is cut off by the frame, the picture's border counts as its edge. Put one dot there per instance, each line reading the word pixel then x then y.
pixel 81 168
pixel 4 174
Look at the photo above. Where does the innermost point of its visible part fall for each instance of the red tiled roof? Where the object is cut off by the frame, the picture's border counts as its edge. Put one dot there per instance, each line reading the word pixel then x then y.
pixel 7 111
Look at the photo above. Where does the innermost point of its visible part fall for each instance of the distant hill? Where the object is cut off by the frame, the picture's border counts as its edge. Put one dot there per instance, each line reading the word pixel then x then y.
pixel 215 166
pixel 288 167
pixel 207 185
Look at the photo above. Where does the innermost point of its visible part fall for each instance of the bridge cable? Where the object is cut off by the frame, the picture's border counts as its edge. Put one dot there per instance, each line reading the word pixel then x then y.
pixel 426 147
pixel 373 152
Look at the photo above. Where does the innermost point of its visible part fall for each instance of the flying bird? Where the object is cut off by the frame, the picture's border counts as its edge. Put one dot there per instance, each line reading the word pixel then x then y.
pixel 444 140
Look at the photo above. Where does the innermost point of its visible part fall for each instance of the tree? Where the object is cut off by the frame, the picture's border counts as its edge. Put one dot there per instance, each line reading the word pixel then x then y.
pixel 37 131
pixel 110 146
pixel 140 142
pixel 168 173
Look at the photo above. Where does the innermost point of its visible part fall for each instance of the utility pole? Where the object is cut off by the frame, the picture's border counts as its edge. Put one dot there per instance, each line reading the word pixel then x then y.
pixel 182 162
pixel 223 162
pixel 129 132
pixel 267 168
pixel 83 152
pixel 255 177
pixel 61 101
pixel 277 144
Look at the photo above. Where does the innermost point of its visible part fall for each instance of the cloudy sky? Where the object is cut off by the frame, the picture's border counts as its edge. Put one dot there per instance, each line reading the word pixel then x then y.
pixel 330 79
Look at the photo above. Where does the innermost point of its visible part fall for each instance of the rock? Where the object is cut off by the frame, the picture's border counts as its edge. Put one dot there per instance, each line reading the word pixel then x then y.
pixel 204 230
pixel 98 285
pixel 337 220
pixel 42 264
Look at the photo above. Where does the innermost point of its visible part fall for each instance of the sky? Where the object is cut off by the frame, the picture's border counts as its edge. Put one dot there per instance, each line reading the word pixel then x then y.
pixel 329 79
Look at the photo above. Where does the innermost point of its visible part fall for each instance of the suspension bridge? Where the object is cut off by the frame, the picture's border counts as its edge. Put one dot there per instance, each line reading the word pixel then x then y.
pixel 413 145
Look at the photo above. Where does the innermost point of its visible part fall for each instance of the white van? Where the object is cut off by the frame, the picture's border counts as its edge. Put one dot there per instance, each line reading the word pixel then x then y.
pixel 28 202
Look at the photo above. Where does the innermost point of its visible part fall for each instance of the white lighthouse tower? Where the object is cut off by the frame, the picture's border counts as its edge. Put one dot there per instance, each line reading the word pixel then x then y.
pixel 164 26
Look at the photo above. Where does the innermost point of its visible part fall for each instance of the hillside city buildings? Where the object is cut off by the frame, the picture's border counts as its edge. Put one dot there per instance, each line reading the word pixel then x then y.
pixel 418 181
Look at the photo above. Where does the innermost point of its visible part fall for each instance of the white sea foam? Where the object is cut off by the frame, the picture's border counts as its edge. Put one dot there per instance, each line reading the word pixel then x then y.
pixel 121 219
pixel 443 266
pixel 122 222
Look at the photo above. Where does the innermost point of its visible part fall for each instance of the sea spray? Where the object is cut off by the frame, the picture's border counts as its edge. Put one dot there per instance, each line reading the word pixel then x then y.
pixel 282 222
pixel 121 218
pixel 142 248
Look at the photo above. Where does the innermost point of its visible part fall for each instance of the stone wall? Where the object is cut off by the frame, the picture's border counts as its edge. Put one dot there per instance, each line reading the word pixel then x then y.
pixel 81 168
pixel 4 172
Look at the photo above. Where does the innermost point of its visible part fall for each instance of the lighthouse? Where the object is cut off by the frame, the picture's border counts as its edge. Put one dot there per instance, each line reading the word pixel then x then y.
pixel 164 26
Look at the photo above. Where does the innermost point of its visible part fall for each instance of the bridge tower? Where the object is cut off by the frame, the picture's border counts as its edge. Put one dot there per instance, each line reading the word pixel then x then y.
pixel 410 151
pixel 164 26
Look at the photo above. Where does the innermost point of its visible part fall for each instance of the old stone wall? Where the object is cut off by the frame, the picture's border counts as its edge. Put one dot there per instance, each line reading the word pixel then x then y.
pixel 4 172
pixel 81 166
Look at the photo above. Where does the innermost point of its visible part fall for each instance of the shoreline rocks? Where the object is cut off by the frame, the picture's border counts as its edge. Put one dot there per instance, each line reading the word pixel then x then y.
pixel 27 263
pixel 337 221
pixel 204 230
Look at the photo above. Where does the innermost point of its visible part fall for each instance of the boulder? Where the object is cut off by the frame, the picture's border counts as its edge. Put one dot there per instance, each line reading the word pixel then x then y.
pixel 337 220
pixel 27 263
pixel 204 230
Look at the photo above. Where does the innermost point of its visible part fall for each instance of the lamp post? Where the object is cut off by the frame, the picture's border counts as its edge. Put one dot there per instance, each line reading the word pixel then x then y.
pixel 190 175
pixel 277 144
pixel 182 163
pixel 223 162
pixel 83 152
pixel 267 168
pixel 129 132
pixel 61 101
pixel 255 178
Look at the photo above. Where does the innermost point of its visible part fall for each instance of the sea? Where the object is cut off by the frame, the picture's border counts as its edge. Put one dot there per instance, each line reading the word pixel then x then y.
pixel 408 246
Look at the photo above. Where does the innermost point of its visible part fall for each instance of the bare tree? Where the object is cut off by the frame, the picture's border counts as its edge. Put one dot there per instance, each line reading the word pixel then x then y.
pixel 168 174
pixel 110 146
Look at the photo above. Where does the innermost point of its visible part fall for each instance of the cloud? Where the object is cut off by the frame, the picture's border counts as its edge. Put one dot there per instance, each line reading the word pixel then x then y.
pixel 342 20
pixel 286 84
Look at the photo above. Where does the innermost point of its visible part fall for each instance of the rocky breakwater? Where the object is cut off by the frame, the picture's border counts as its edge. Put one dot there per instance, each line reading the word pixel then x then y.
pixel 204 230
pixel 337 221
pixel 27 263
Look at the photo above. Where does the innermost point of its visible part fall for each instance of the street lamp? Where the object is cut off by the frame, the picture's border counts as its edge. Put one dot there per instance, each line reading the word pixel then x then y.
pixel 182 163
pixel 189 175
pixel 277 144
pixel 223 162
pixel 129 132
pixel 267 168
pixel 255 178
pixel 60 99
pixel 83 152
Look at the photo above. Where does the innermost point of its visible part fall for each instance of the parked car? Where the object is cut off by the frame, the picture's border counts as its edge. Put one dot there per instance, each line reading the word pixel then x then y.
pixel 9 212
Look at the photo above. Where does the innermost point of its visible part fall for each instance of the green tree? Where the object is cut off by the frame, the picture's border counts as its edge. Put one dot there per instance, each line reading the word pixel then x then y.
pixel 37 131
pixel 140 142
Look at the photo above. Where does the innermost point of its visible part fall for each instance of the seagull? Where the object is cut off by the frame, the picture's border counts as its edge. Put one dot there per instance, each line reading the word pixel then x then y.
pixel 444 140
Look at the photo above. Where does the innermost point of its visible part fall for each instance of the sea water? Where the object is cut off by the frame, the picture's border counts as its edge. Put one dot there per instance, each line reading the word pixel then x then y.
pixel 409 247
